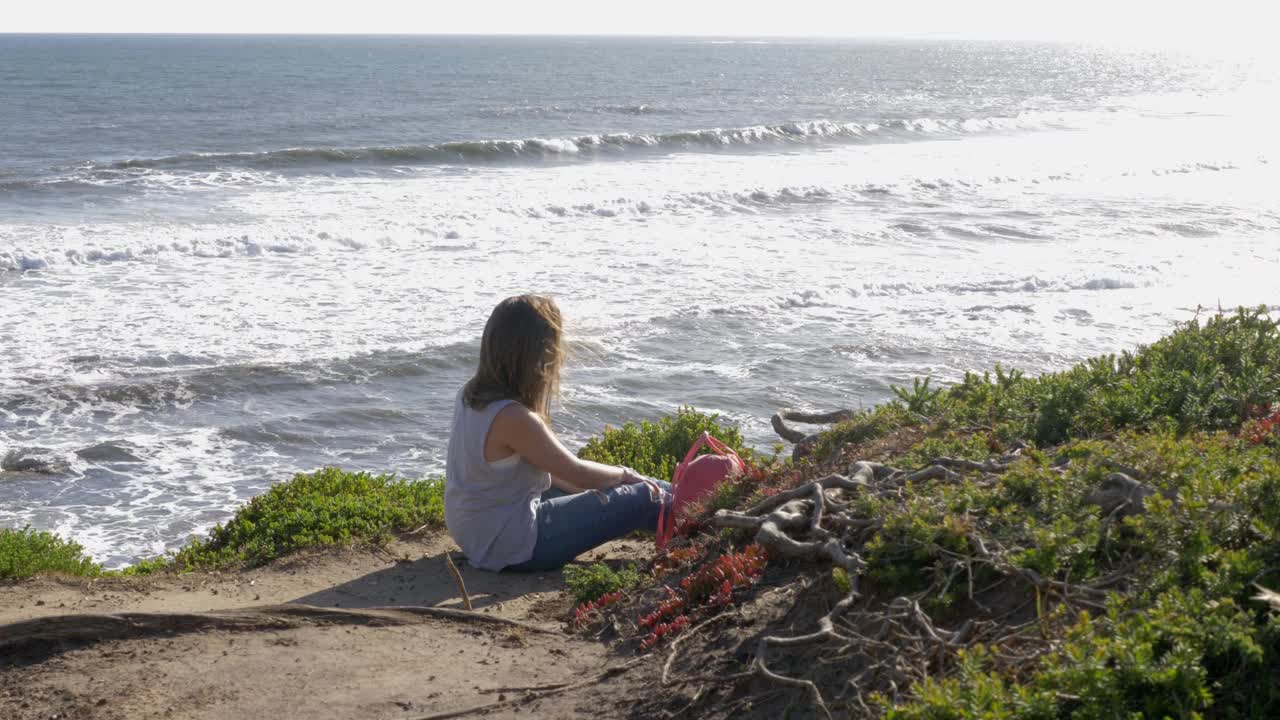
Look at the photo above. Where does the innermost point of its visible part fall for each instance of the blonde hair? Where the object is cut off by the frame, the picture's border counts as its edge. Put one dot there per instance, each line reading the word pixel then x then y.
pixel 521 354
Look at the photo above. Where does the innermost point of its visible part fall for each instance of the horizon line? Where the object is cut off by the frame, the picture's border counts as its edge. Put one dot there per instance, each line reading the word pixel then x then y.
pixel 601 34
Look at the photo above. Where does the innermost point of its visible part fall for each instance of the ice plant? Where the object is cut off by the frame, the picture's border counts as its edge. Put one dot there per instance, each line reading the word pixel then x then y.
pixel 734 570
pixel 1264 428
pixel 675 558
pixel 673 605
pixel 711 586
pixel 588 611
pixel 675 627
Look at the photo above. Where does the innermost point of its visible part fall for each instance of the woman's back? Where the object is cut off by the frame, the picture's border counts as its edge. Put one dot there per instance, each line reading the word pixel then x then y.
pixel 501 513
pixel 489 508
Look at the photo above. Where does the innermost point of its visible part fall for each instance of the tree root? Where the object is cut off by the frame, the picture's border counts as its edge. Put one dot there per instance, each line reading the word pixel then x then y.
pixel 787 511
pixel 826 632
pixel 785 432
pixel 1270 597
pixel 675 644
pixel 804 442
pixel 780 418
pixel 896 644
pixel 989 466
pixel 805 508
pixel 764 671
pixel 537 695
pixel 932 472
pixel 1119 495
pixel 827 418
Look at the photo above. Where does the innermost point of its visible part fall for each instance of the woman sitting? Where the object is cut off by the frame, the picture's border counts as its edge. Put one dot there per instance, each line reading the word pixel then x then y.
pixel 515 498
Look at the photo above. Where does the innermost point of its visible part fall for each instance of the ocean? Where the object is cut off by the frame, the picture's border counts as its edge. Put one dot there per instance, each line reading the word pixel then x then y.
pixel 227 259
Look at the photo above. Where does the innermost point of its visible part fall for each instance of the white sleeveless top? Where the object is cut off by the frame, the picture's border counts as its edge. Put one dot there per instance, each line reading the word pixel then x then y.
pixel 489 508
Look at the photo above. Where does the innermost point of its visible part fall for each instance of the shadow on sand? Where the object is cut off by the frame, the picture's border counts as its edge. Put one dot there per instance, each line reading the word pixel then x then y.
pixel 428 581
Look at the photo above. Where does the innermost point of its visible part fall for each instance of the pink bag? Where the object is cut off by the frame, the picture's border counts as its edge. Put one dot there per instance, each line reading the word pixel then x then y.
pixel 694 479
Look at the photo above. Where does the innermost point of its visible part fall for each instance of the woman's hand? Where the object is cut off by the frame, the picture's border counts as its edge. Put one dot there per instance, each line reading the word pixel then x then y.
pixel 631 477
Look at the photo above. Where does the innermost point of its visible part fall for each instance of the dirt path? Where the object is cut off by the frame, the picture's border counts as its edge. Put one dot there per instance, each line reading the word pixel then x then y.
pixel 357 664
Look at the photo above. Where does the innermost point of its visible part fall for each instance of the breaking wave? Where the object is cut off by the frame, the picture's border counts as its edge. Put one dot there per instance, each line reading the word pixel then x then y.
pixel 196 170
pixel 483 151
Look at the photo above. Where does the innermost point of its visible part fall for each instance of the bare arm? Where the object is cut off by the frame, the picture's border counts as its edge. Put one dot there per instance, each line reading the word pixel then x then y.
pixel 525 434
pixel 568 487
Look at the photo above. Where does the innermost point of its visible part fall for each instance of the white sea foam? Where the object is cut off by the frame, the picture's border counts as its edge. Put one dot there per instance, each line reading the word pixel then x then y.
pixel 12 261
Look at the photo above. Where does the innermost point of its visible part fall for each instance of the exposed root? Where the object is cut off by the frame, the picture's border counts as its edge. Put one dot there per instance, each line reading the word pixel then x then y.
pixel 465 616
pixel 933 472
pixel 1270 597
pixel 1119 495
pixel 537 694
pixel 784 432
pixel 675 645
pixel 988 466
pixel 804 508
pixel 952 469
pixel 764 671
pixel 856 482
pixel 826 632
pixel 804 442
pixel 826 418
pixel 889 646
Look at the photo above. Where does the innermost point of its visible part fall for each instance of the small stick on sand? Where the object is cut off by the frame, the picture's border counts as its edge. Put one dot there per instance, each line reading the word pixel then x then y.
pixel 457 575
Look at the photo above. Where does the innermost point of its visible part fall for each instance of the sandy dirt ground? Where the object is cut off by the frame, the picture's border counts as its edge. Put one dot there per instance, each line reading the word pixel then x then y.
pixel 235 646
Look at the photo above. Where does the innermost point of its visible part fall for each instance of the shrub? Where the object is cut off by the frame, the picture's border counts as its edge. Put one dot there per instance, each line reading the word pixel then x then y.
pixel 910 553
pixel 840 577
pixel 866 425
pixel 27 552
pixel 972 693
pixel 148 566
pixel 920 399
pixel 654 448
pixel 1200 377
pixel 591 582
pixel 1181 636
pixel 1263 429
pixel 968 447
pixel 1192 421
pixel 1210 376
pixel 328 507
pixel 1179 658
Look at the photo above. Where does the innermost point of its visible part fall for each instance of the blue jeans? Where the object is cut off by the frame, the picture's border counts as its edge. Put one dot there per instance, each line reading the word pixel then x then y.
pixel 569 525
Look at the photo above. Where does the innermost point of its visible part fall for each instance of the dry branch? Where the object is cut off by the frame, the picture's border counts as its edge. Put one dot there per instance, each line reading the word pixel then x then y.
pixel 804 441
pixel 826 418
pixel 1270 597
pixel 457 575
